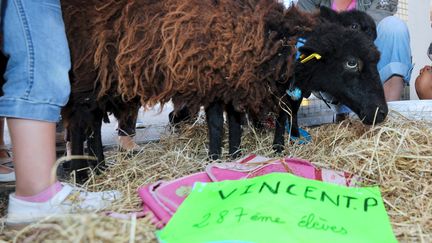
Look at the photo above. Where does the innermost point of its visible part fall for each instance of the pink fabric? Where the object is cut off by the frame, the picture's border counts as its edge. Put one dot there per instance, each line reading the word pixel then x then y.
pixel 251 168
pixel 154 205
pixel 153 219
pixel 301 168
pixel 223 171
pixel 162 199
pixel 339 178
pixel 45 195
pixel 351 6
pixel 172 194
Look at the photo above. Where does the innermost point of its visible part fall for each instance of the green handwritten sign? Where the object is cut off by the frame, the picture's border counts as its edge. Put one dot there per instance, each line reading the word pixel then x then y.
pixel 279 207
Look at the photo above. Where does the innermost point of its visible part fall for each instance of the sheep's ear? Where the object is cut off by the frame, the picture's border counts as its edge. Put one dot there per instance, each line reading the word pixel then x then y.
pixel 328 14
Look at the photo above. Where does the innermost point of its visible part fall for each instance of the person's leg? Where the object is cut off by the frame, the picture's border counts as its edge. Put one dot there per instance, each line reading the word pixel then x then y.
pixel 4 153
pixel 127 143
pixel 395 64
pixel 2 142
pixel 37 86
pixel 7 173
pixel 393 88
pixel 5 156
pixel 34 161
pixel 126 133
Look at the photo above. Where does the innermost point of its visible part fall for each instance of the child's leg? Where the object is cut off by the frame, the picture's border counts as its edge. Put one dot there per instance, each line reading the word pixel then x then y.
pixel 36 87
pixel 34 155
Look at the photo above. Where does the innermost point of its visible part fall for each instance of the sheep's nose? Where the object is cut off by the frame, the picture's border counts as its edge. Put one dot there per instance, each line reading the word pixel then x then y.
pixel 381 114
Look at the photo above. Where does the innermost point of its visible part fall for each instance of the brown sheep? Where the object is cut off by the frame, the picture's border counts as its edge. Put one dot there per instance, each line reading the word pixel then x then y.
pixel 220 54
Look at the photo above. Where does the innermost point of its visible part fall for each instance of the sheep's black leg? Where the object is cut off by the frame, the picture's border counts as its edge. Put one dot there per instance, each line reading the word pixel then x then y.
pixel 295 106
pixel 278 142
pixel 95 148
pixel 258 124
pixel 235 131
pixel 214 116
pixel 182 115
pixel 77 137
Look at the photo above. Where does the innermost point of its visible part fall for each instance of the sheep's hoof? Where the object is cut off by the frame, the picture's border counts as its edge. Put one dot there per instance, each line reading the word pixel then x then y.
pixel 278 148
pixel 214 156
pixel 66 172
pixel 99 170
pixel 81 176
pixel 235 155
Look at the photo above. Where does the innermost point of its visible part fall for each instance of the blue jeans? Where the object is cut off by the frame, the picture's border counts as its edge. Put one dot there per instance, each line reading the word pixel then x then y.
pixel 393 42
pixel 37 83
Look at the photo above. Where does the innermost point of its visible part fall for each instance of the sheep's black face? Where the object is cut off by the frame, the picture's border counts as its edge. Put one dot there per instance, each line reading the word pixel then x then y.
pixel 353 19
pixel 359 21
pixel 347 71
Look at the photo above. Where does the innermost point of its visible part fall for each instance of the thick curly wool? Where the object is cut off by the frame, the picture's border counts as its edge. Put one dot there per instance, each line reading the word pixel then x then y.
pixel 194 52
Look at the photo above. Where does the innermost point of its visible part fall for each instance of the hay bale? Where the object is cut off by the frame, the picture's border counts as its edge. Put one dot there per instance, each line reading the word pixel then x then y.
pixel 396 155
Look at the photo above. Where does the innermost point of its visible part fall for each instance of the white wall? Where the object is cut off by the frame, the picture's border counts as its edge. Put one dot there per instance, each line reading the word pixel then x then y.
pixel 421 36
pixel 287 3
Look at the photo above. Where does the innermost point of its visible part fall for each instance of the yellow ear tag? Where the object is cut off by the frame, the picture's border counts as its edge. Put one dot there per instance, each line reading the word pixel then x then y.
pixel 308 58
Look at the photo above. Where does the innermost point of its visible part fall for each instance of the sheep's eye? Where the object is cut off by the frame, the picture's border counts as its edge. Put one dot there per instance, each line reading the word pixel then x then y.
pixel 352 64
pixel 355 26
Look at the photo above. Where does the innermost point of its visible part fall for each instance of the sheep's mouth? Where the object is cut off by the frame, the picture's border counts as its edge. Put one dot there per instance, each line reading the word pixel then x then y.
pixel 326 97
pixel 375 117
pixel 368 116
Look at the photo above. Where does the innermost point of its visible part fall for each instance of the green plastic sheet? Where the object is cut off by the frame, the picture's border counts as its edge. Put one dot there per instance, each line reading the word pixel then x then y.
pixel 279 207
